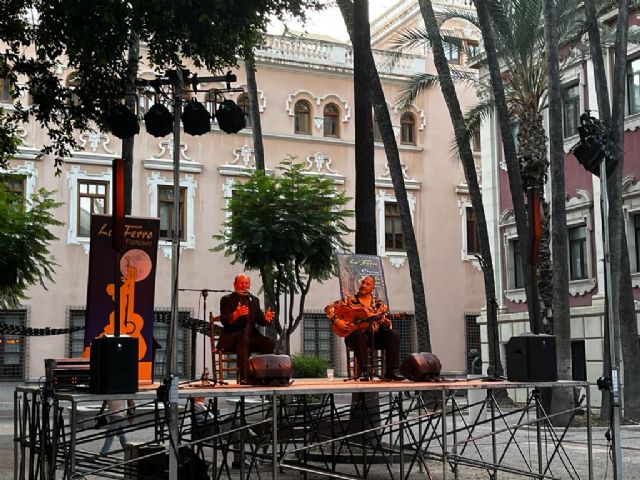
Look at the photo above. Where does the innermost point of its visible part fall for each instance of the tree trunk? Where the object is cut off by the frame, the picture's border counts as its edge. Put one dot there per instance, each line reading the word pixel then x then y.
pixel 133 58
pixel 469 167
pixel 395 169
pixel 254 114
pixel 626 315
pixel 365 195
pixel 562 399
pixel 513 169
pixel 622 288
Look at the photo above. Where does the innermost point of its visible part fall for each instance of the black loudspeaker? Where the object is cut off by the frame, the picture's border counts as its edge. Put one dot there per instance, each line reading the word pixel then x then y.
pixel 269 369
pixel 114 365
pixel 421 367
pixel 532 358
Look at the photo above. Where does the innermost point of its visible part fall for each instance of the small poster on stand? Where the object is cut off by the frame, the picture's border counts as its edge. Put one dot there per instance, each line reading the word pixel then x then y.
pixel 353 266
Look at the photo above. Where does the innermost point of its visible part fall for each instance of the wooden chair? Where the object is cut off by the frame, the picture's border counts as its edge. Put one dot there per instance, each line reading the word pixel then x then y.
pixel 375 363
pixel 224 364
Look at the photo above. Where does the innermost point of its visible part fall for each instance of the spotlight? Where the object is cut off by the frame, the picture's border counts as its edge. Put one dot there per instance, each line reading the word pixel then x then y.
pixel 594 145
pixel 230 117
pixel 195 118
pixel 122 122
pixel 158 120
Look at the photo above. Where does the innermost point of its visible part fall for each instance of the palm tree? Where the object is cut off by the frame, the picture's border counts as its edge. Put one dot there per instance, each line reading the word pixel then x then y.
pixel 626 314
pixel 562 399
pixel 468 163
pixel 365 201
pixel 254 113
pixel 133 60
pixel 395 169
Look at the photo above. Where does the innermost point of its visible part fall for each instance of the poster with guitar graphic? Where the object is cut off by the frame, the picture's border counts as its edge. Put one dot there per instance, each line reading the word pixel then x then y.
pixel 136 281
pixel 353 266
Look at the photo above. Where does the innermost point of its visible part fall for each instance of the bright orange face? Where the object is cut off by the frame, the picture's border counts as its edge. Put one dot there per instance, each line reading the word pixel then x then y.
pixel 366 286
pixel 241 284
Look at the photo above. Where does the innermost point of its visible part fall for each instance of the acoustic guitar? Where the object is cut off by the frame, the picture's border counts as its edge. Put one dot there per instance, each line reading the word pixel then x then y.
pixel 357 319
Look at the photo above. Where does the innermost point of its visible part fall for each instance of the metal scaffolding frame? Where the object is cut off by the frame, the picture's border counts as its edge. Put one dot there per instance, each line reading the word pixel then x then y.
pixel 410 430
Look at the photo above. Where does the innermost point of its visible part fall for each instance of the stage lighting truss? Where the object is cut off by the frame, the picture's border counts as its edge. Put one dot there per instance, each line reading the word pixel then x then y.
pixel 196 119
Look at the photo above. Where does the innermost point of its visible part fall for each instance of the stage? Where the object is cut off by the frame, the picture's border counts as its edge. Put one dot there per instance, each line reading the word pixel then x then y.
pixel 383 429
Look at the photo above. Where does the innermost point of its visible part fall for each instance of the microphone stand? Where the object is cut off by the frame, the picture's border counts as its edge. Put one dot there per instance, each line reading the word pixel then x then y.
pixel 204 293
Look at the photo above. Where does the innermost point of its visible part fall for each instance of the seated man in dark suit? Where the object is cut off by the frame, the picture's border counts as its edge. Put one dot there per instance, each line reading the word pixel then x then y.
pixel 241 315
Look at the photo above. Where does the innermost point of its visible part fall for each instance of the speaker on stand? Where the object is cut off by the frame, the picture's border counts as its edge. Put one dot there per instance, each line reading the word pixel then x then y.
pixel 531 358
pixel 114 365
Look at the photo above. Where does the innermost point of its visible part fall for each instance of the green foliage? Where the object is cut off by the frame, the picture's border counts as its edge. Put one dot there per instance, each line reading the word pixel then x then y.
pixel 24 243
pixel 309 366
pixel 287 227
pixel 92 38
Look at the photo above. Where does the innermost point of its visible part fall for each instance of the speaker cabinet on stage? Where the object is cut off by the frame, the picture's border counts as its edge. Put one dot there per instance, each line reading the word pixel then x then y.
pixel 114 365
pixel 532 358
pixel 269 369
pixel 421 367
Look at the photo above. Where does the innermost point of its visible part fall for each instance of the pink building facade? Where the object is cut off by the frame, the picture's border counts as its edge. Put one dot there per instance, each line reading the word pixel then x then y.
pixel 306 106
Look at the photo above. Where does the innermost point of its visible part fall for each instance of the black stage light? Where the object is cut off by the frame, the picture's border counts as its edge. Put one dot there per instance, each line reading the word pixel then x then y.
pixel 195 118
pixel 158 120
pixel 230 117
pixel 594 145
pixel 122 122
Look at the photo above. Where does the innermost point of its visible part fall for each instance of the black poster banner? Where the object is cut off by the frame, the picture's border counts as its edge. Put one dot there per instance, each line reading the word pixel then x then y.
pixel 352 267
pixel 136 283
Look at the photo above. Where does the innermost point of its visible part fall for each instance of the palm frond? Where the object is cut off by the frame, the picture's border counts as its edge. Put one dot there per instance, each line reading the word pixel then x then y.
pixel 411 38
pixel 451 13
pixel 473 118
pixel 417 84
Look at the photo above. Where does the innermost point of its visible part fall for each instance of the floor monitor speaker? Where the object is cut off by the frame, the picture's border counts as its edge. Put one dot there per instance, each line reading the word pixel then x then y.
pixel 269 369
pixel 532 358
pixel 421 367
pixel 114 365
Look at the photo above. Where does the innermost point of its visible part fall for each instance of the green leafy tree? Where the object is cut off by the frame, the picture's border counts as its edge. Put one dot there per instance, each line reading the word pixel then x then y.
pixel 287 227
pixel 24 240
pixel 39 37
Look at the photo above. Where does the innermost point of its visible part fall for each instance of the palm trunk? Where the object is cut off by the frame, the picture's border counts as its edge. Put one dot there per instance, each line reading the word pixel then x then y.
pixel 469 167
pixel 395 169
pixel 562 399
pixel 254 114
pixel 365 198
pixel 513 169
pixel 626 312
pixel 130 101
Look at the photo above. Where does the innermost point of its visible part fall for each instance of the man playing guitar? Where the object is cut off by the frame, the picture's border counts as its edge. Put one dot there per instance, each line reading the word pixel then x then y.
pixel 363 318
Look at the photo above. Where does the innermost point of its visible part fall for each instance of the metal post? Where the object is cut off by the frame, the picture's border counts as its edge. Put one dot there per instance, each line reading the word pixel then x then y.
pixel 72 439
pixel 589 439
pixel 536 399
pixel 613 350
pixel 494 444
pixel 16 439
pixel 454 448
pixel 175 252
pixel 54 440
pixel 274 408
pixel 401 418
pixel 443 415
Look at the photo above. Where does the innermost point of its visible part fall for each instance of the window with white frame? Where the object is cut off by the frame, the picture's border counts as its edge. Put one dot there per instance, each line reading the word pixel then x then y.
pixel 578 252
pixel 318 338
pixel 93 198
pixel 21 180
pixel 635 265
pixel 633 86
pixel 16 184
pixel 166 212
pixel 390 235
pixel 302 117
pixel 331 120
pixel 393 235
pixel 88 193
pixel 579 227
pixel 408 129
pixel 570 110
pixel 76 338
pixel 473 239
pixel 243 102
pixel 516 273
pixel 161 206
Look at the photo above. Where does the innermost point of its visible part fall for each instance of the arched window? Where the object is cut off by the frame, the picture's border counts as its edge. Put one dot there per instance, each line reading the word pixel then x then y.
pixel 303 117
pixel 73 82
pixel 243 102
pixel 408 129
pixel 331 120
